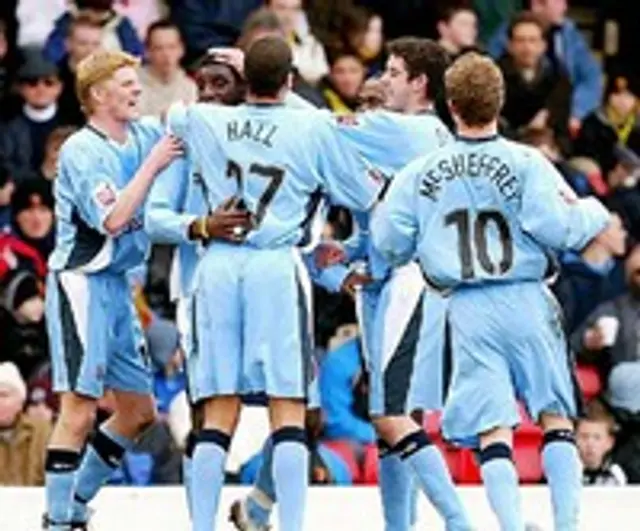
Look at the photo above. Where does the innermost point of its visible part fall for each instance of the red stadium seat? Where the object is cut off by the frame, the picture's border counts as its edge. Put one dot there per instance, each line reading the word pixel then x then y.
pixel 345 450
pixel 370 466
pixel 589 380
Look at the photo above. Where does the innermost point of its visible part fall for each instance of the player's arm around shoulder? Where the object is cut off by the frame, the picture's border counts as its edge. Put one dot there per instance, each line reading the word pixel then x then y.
pixel 394 224
pixel 551 212
pixel 349 179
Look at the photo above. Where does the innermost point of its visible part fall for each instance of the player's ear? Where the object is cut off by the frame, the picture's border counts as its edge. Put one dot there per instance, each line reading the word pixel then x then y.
pixel 420 83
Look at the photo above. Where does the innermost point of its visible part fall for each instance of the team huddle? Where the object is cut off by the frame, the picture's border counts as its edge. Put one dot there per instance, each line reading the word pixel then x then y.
pixel 459 235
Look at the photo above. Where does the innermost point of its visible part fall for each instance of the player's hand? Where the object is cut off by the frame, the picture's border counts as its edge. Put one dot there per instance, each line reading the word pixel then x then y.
pixel 594 339
pixel 329 253
pixel 165 151
pixel 234 57
pixel 355 280
pixel 228 222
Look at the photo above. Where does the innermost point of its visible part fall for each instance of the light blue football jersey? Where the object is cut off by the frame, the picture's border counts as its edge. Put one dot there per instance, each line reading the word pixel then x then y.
pixel 92 171
pixel 389 141
pixel 278 160
pixel 483 210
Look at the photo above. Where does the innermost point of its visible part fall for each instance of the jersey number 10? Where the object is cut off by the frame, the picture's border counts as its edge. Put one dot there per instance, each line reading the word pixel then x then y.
pixel 275 174
pixel 462 220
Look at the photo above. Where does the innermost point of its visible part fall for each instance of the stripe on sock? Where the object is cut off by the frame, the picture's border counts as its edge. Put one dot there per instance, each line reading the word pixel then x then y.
pixel 412 443
pixel 384 449
pixel 289 434
pixel 62 460
pixel 559 436
pixel 220 438
pixel 110 451
pixel 190 445
pixel 498 450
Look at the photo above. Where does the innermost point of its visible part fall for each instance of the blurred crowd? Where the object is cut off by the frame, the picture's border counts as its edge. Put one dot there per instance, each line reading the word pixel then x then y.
pixel 558 99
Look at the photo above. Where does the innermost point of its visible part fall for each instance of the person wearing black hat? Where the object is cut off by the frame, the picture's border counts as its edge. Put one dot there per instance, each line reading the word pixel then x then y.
pixel 22 144
pixel 32 215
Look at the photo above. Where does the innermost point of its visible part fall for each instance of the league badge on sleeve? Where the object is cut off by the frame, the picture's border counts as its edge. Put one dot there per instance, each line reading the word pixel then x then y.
pixel 105 194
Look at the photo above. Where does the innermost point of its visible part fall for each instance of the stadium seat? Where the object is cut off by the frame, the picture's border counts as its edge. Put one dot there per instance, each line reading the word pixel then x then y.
pixel 347 453
pixel 589 380
pixel 370 466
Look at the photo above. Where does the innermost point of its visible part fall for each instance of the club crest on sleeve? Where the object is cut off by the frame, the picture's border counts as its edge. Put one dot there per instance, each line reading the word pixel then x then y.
pixel 105 194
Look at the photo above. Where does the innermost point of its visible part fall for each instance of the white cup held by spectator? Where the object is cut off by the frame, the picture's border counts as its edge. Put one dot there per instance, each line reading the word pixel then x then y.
pixel 609 328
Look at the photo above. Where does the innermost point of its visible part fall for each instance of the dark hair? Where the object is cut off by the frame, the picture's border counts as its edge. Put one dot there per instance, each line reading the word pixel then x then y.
pixel 5 175
pixel 162 24
pixel 335 53
pixel 422 56
pixel 445 14
pixel 267 65
pixel 261 19
pixel 526 17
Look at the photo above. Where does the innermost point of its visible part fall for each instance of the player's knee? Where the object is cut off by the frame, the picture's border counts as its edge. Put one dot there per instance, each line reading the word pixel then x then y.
pixel 495 450
pixel 77 422
pixel 411 444
pixel 551 422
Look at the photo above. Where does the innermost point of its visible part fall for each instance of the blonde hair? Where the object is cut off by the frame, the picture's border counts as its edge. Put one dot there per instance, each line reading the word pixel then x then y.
pixel 98 67
pixel 475 87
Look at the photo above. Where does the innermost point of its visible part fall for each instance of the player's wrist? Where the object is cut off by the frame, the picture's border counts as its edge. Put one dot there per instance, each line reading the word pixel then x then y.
pixel 199 229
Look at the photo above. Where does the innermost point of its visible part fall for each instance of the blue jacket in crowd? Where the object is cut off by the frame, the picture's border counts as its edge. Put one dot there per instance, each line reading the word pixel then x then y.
pixel 338 373
pixel 578 60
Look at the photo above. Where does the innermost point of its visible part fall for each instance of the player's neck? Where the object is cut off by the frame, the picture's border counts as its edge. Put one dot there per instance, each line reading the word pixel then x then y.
pixel 254 99
pixel 418 107
pixel 484 131
pixel 114 129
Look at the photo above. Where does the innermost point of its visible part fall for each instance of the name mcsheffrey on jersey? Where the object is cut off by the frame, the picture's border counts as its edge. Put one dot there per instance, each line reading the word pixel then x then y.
pixel 483 210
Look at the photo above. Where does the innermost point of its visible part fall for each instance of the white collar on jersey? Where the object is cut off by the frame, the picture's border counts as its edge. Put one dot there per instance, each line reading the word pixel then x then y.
pixel 40 115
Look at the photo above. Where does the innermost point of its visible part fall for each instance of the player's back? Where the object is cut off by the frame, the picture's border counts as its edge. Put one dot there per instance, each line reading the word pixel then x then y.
pixel 277 160
pixel 492 210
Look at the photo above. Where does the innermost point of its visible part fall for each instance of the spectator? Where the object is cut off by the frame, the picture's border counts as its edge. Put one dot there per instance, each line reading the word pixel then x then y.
pixel 589 279
pixel 42 402
pixel 142 13
pixel 205 24
pixel 32 210
pixel 262 23
pixel 52 147
pixel 458 29
pixel 372 95
pixel 23 439
pixel 7 73
pixel 118 32
pixel 566 48
pixel 343 395
pixel 537 95
pixel 609 336
pixel 616 123
pixel 85 36
pixel 36 19
pixel 624 195
pixel 596 436
pixel 309 56
pixel 163 80
pixel 362 31
pixel 7 187
pixel 341 87
pixel 545 141
pixel 23 139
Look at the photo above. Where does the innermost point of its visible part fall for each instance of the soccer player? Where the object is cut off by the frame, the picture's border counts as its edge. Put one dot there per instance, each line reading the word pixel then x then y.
pixel 105 171
pixel 176 213
pixel 485 216
pixel 391 308
pixel 250 318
